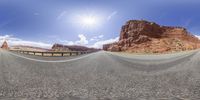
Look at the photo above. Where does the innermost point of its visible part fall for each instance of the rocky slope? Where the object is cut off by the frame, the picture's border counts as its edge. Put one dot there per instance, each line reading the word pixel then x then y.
pixel 27 48
pixel 60 47
pixel 141 36
pixel 5 45
pixel 55 47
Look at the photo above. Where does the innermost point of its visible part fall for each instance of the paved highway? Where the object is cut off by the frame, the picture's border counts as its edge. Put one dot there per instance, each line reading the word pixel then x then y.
pixel 100 76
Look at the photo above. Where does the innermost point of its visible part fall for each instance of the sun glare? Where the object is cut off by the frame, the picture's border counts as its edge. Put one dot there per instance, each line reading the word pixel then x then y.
pixel 89 21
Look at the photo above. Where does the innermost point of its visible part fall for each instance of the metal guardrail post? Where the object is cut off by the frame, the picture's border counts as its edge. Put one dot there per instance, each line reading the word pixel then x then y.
pixel 62 54
pixel 70 54
pixel 53 53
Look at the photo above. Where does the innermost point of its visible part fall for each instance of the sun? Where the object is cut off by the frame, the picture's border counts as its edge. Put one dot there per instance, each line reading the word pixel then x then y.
pixel 88 21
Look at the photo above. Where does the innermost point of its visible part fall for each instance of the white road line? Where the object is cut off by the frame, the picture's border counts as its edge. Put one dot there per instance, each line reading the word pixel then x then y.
pixel 57 61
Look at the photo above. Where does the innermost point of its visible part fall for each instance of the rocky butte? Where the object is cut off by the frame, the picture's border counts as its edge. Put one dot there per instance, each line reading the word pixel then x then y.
pixel 5 45
pixel 61 47
pixel 27 48
pixel 140 36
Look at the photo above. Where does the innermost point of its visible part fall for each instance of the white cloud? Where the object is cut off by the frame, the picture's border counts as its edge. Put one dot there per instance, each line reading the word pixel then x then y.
pixel 187 22
pixel 12 41
pixel 111 15
pixel 97 38
pixel 100 44
pixel 82 41
pixel 61 15
pixel 197 36
pixel 5 37
pixel 101 36
pixel 92 39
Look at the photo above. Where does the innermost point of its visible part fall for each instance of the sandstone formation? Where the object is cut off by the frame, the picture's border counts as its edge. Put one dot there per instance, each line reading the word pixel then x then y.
pixel 5 45
pixel 141 36
pixel 60 47
pixel 27 48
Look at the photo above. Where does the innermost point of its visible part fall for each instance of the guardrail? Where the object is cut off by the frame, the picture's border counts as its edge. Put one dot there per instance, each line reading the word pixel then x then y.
pixel 52 54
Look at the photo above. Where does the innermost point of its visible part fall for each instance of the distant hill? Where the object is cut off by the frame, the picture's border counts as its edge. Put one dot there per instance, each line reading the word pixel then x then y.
pixel 61 47
pixel 5 45
pixel 27 48
pixel 55 47
pixel 142 36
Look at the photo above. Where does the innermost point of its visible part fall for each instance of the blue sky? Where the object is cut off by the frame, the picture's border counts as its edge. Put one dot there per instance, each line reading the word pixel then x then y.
pixel 45 22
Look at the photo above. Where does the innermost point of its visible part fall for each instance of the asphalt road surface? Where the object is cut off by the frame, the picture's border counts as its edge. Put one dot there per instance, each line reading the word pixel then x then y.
pixel 100 76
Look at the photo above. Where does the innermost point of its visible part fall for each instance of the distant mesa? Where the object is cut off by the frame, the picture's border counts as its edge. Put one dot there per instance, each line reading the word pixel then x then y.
pixel 55 48
pixel 61 47
pixel 27 48
pixel 141 36
pixel 5 45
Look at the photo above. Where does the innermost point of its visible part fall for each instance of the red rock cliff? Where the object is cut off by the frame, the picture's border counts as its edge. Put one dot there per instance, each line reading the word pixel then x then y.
pixel 149 37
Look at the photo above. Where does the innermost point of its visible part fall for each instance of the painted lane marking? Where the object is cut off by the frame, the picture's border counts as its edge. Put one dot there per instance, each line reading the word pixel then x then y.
pixel 57 61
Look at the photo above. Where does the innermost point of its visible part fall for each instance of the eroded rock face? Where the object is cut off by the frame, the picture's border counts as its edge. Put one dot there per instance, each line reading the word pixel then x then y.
pixel 137 28
pixel 114 48
pixel 149 37
pixel 107 46
pixel 5 45
pixel 60 47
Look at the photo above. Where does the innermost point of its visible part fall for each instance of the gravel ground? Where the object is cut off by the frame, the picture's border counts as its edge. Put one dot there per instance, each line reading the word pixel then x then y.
pixel 101 76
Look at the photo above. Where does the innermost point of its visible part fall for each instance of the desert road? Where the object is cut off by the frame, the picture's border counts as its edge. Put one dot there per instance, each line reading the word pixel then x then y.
pixel 100 76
